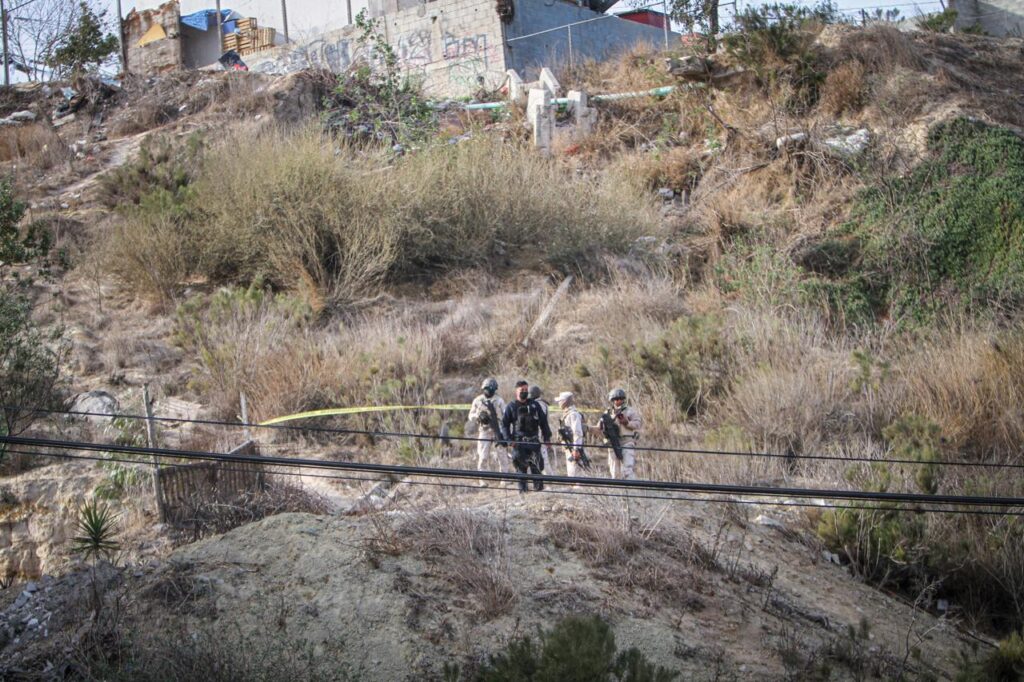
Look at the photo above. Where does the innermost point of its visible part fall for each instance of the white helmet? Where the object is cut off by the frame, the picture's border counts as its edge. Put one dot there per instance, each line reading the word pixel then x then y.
pixel 564 397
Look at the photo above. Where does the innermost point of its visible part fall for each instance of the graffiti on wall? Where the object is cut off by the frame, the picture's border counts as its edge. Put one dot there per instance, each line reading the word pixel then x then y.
pixel 335 54
pixel 464 47
pixel 413 48
pixel 469 59
pixel 466 63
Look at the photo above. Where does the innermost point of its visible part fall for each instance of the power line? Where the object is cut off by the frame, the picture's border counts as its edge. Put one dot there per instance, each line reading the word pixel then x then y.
pixel 435 472
pixel 431 436
pixel 557 491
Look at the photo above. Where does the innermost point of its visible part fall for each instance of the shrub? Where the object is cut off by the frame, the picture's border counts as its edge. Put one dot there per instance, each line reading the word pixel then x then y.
pixel 304 215
pixel 1005 664
pixel 241 338
pixel 36 144
pixel 375 101
pixel 162 164
pixel 30 359
pixel 578 648
pixel 949 235
pixel 776 41
pixel 963 381
pixel 918 440
pixel 470 552
pixel 939 22
pixel 692 357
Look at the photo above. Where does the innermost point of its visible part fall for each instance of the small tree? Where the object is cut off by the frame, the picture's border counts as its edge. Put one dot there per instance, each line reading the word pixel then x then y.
pixel 86 45
pixel 696 14
pixel 29 359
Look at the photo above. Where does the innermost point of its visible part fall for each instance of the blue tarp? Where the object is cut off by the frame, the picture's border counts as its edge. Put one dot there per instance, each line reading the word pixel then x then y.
pixel 203 18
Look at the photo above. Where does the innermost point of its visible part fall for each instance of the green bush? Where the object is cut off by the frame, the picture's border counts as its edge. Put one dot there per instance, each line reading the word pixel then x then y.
pixel 577 649
pixel 917 439
pixel 950 235
pixel 939 22
pixel 1005 664
pixel 777 41
pixel 30 358
pixel 692 357
pixel 163 166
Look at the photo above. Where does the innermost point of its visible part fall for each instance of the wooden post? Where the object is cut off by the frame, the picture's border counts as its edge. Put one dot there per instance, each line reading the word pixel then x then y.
pixel 548 309
pixel 245 416
pixel 7 56
pixel 151 441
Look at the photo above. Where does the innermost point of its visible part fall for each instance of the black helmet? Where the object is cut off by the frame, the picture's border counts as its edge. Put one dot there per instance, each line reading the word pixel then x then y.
pixel 535 392
pixel 616 394
pixel 490 386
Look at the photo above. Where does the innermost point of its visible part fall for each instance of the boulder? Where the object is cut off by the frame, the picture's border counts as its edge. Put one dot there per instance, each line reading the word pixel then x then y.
pixel 96 403
pixel 848 146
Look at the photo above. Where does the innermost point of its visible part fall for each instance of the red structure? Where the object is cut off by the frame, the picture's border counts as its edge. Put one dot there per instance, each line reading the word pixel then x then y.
pixel 645 16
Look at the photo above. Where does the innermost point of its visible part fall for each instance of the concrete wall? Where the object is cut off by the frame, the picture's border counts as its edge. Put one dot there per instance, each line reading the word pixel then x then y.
pixel 593 40
pixel 306 18
pixel 453 47
pixel 158 56
pixel 199 48
pixel 996 17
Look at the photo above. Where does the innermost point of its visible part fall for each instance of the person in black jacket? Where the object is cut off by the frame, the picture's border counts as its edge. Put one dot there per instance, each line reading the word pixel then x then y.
pixel 526 426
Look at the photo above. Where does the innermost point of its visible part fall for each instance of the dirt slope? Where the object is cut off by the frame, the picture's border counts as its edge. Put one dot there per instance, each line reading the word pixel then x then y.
pixel 702 590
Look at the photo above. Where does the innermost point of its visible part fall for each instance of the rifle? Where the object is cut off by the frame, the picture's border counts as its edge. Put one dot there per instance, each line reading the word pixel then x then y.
pixel 612 434
pixel 495 423
pixel 565 433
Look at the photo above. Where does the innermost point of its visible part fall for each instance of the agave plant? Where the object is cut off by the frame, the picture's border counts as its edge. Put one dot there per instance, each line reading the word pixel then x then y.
pixel 96 527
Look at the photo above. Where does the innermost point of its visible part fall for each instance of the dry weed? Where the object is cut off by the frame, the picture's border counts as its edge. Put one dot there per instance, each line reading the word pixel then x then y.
pixel 471 552
pixel 844 89
pixel 663 564
pixel 35 144
pixel 214 515
pixel 968 384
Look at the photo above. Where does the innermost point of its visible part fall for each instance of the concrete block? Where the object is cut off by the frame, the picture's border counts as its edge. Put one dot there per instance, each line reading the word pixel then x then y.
pixel 541 116
pixel 516 90
pixel 548 80
pixel 583 116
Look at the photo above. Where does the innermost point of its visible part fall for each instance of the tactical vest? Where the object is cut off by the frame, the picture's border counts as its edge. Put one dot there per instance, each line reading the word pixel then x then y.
pixel 527 422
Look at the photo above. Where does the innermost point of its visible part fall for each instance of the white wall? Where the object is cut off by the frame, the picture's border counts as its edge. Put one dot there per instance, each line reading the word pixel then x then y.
pixel 306 18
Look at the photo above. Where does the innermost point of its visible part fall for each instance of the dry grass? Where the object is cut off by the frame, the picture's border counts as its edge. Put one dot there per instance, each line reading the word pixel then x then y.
pixel 969 383
pixel 471 552
pixel 213 516
pixel 844 89
pixel 146 115
pixel 36 145
pixel 343 223
pixel 666 565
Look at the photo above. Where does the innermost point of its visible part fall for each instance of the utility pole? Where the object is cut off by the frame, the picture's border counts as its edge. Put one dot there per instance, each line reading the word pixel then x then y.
pixel 121 52
pixel 284 19
pixel 348 6
pixel 664 23
pixel 7 57
pixel 220 29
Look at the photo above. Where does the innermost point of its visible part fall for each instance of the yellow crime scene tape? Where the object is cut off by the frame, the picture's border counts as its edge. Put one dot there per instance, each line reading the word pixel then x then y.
pixel 334 411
